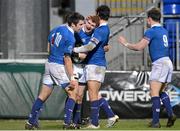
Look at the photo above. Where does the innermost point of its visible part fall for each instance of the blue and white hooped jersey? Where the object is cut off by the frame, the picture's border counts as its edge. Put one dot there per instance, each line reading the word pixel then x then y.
pixel 158 42
pixel 61 41
pixel 100 37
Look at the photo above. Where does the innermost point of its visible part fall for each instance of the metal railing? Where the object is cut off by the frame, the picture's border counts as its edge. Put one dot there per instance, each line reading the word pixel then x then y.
pixel 126 7
pixel 1 54
pixel 115 63
pixel 130 60
pixel 124 25
pixel 35 55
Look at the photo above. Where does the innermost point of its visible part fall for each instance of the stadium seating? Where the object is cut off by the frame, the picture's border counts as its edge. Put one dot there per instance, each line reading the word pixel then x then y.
pixel 172 8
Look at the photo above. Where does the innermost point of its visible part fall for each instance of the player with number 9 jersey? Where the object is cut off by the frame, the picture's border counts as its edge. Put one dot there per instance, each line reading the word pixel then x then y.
pixel 156 37
pixel 158 42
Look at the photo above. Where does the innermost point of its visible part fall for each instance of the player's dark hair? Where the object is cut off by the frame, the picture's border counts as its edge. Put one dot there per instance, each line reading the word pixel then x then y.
pixel 155 14
pixel 103 12
pixel 74 18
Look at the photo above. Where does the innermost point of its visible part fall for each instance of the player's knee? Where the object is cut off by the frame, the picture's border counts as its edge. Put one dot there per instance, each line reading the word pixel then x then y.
pixel 43 97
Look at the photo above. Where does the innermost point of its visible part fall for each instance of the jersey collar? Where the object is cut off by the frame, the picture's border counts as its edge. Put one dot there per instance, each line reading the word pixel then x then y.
pixel 103 24
pixel 69 28
pixel 83 29
pixel 156 25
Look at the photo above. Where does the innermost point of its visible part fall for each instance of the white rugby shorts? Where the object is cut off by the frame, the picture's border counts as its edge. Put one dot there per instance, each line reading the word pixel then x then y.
pixel 80 70
pixel 55 74
pixel 162 70
pixel 94 72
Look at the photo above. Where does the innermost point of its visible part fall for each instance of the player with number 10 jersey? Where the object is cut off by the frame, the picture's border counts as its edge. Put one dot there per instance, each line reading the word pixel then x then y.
pixel 60 45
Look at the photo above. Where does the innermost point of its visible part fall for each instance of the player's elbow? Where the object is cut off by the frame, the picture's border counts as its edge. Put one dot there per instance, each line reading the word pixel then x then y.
pixel 139 48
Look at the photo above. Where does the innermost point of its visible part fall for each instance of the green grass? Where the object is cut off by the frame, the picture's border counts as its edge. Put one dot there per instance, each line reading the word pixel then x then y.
pixel 132 124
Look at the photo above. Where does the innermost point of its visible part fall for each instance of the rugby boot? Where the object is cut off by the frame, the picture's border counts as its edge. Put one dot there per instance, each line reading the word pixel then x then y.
pixel 111 121
pixel 29 126
pixel 171 120
pixel 91 126
pixel 156 125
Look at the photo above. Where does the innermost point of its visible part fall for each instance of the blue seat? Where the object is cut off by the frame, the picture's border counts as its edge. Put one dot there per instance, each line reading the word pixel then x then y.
pixel 172 54
pixel 170 24
pixel 171 1
pixel 172 43
pixel 171 9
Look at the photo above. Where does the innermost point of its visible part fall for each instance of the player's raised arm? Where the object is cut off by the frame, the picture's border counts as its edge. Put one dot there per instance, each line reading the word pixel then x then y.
pixel 137 46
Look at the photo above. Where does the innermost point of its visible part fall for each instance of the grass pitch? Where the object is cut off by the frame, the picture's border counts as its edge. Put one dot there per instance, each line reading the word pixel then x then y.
pixel 130 124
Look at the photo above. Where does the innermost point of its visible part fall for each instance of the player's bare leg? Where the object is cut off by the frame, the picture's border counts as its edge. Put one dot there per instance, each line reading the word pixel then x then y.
pixel 45 93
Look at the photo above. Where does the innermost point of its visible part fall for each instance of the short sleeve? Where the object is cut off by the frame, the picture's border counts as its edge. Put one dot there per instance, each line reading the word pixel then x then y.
pixel 69 46
pixel 148 35
pixel 96 37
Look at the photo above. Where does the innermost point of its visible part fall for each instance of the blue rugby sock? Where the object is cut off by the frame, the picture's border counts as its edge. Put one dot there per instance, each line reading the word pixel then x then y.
pixel 69 107
pixel 166 102
pixel 95 112
pixel 77 113
pixel 105 106
pixel 33 117
pixel 155 108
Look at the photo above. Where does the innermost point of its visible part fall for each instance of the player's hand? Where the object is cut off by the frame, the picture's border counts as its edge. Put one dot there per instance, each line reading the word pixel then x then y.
pixel 122 40
pixel 74 81
pixel 75 49
pixel 82 56
pixel 73 84
pixel 107 48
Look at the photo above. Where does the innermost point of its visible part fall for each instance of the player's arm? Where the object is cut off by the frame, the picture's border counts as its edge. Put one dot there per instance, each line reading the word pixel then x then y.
pixel 69 68
pixel 49 42
pixel 94 41
pixel 48 47
pixel 68 64
pixel 137 46
pixel 82 56
pixel 85 48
